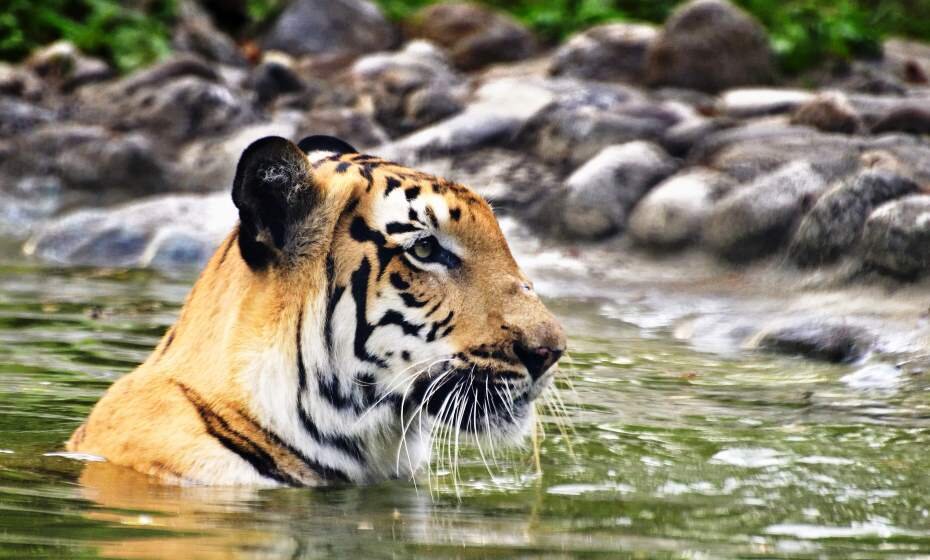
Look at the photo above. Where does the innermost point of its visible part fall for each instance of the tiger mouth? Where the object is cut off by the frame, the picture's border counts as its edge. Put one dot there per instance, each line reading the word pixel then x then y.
pixel 479 399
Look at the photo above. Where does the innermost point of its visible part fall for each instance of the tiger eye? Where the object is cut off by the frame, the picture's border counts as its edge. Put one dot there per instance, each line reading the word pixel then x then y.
pixel 423 248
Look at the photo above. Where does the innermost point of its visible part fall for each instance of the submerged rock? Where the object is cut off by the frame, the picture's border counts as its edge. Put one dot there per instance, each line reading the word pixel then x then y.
pixel 821 340
pixel 609 52
pixel 600 193
pixel 673 213
pixel 474 35
pixel 330 26
pixel 896 238
pixel 164 232
pixel 710 45
pixel 756 219
pixel 834 225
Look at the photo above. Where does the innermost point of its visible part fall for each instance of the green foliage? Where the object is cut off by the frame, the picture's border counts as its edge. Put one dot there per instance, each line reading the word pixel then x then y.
pixel 803 32
pixel 129 37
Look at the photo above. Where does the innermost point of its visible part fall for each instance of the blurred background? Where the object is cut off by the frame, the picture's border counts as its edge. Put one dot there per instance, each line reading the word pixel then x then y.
pixel 726 203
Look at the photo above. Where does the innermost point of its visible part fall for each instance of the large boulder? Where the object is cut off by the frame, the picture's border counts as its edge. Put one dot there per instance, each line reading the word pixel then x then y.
pixel 409 89
pixel 896 238
pixel 178 231
pixel 600 194
pixel 710 45
pixel 609 52
pixel 673 213
pixel 756 219
pixel 330 26
pixel 834 225
pixel 474 35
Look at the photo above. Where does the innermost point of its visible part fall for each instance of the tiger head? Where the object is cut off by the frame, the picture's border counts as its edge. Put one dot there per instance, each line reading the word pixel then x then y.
pixel 400 300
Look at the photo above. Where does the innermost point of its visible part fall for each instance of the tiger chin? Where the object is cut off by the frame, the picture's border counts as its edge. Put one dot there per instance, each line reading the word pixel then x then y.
pixel 358 308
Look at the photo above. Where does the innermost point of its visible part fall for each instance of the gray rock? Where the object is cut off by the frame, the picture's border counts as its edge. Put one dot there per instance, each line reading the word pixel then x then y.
pixel 828 112
pixel 755 220
pixel 609 52
pixel 108 166
pixel 753 150
pixel 896 238
pixel 680 138
pixel 673 213
pixel 834 225
pixel 180 231
pixel 409 89
pixel 18 117
pixel 710 45
pixel 498 113
pixel 600 193
pixel 822 340
pixel 474 35
pixel 330 26
pixel 180 110
pixel 756 102
pixel 353 126
pixel 515 183
pixel 273 77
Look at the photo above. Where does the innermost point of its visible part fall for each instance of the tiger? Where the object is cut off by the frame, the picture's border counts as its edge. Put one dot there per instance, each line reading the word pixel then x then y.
pixel 356 306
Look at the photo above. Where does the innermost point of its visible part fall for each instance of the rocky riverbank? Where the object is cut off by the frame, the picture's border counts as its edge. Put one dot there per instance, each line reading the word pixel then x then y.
pixel 654 141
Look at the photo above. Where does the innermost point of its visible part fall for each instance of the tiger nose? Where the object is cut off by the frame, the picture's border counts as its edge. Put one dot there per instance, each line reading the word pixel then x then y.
pixel 538 360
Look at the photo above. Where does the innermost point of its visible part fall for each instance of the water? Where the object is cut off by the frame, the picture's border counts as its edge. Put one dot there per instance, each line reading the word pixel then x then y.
pixel 674 449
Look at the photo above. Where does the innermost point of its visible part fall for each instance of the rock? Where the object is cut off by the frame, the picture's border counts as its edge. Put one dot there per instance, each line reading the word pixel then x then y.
pixel 410 89
pixel 710 45
pixel 896 238
pixel 330 26
pixel 874 377
pixel 474 35
pixel 600 193
pixel 834 225
pixel 355 127
pixel 515 183
pixel 26 202
pixel 822 340
pixel 178 110
pixel 756 102
pixel 828 112
pixel 195 33
pixel 754 220
pixel 179 231
pixel 680 138
pixel 499 111
pixel 756 149
pixel 576 126
pixel 108 166
pixel 609 52
pixel 18 117
pixel 911 119
pixel 63 66
pixel 673 213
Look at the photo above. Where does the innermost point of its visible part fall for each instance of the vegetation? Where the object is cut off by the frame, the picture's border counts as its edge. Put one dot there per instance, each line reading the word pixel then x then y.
pixel 131 34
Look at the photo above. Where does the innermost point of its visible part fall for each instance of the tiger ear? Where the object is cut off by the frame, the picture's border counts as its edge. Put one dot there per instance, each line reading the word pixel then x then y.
pixel 275 194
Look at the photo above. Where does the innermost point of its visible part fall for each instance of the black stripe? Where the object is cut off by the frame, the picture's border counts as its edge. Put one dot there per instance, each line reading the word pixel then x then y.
pixel 455 214
pixel 392 317
pixel 350 446
pixel 236 442
pixel 412 193
pixel 400 227
pixel 392 183
pixel 431 215
pixel 398 282
pixel 363 329
pixel 436 326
